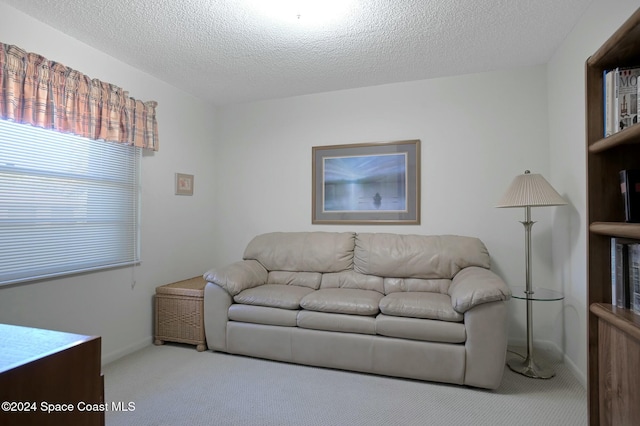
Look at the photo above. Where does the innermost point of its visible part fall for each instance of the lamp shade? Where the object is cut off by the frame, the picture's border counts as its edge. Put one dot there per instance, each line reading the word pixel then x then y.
pixel 530 190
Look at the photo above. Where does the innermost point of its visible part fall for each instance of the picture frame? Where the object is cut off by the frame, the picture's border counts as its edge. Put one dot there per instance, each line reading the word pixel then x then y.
pixel 366 183
pixel 184 184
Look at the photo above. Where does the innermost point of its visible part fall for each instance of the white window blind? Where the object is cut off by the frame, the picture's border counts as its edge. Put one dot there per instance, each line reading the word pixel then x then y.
pixel 67 204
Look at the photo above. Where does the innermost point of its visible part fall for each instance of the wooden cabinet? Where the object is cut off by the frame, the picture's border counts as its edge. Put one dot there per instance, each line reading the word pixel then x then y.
pixel 613 333
pixel 618 364
pixel 50 378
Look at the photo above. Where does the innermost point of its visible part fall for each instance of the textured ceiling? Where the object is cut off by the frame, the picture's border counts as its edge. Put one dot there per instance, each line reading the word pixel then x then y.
pixel 230 51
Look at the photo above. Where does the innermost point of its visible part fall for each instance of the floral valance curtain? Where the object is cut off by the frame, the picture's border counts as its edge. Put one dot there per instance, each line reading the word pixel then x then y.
pixel 44 93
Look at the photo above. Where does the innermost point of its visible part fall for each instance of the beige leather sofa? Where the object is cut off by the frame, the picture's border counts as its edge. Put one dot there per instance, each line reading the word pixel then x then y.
pixel 414 306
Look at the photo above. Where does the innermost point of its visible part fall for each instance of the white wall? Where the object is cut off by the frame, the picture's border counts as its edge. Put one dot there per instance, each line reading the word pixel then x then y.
pixel 568 160
pixel 177 231
pixel 477 131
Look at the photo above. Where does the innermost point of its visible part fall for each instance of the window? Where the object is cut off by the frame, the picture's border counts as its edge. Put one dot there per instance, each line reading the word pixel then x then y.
pixel 67 204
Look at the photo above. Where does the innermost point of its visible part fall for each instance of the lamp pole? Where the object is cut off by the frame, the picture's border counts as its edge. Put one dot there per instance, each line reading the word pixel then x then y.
pixel 529 367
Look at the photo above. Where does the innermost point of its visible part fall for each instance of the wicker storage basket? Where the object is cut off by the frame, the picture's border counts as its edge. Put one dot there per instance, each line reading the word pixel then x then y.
pixel 179 313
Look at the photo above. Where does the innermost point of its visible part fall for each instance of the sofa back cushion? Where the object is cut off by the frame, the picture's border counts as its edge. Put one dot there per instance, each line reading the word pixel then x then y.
pixel 417 256
pixel 303 251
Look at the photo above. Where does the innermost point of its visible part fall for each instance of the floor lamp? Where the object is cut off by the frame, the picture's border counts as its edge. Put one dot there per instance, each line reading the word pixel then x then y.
pixel 530 190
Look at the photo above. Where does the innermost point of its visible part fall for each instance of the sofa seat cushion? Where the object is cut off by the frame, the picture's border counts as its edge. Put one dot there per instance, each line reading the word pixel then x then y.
pixel 343 301
pixel 427 330
pixel 420 305
pixel 394 285
pixel 273 295
pixel 263 315
pixel 360 324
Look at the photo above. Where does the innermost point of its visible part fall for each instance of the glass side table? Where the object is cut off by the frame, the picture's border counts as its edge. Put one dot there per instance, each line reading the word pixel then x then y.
pixel 528 367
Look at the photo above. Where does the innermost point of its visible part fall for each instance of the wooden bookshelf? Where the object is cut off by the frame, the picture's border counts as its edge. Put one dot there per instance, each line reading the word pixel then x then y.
pixel 613 333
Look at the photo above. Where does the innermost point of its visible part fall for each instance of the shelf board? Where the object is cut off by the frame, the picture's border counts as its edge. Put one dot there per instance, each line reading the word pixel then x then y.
pixel 623 319
pixel 616 229
pixel 623 137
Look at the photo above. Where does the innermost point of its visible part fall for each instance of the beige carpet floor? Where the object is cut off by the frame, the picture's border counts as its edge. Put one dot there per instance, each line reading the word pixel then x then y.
pixel 176 385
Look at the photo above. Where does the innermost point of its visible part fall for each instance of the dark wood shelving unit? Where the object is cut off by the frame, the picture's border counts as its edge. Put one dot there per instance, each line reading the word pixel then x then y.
pixel 613 333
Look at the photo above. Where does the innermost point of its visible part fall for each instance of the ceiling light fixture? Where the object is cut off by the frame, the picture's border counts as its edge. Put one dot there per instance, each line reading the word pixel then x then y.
pixel 305 11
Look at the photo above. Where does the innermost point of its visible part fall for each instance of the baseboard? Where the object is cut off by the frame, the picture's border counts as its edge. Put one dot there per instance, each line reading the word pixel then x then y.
pixel 582 378
pixel 550 349
pixel 554 353
pixel 115 355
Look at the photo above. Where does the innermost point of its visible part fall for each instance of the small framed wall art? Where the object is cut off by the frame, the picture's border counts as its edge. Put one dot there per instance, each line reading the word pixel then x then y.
pixel 368 183
pixel 184 184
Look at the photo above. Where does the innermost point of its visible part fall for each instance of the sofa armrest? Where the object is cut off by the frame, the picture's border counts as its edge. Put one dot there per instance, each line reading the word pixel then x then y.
pixel 216 314
pixel 474 286
pixel 486 346
pixel 238 276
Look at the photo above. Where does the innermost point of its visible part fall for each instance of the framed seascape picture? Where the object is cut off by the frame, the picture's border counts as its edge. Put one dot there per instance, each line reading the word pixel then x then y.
pixel 368 183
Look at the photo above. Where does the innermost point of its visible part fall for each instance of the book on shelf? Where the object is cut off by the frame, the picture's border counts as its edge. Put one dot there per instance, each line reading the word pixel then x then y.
pixel 625 273
pixel 634 277
pixel 630 190
pixel 627 96
pixel 610 102
pixel 620 287
pixel 621 100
